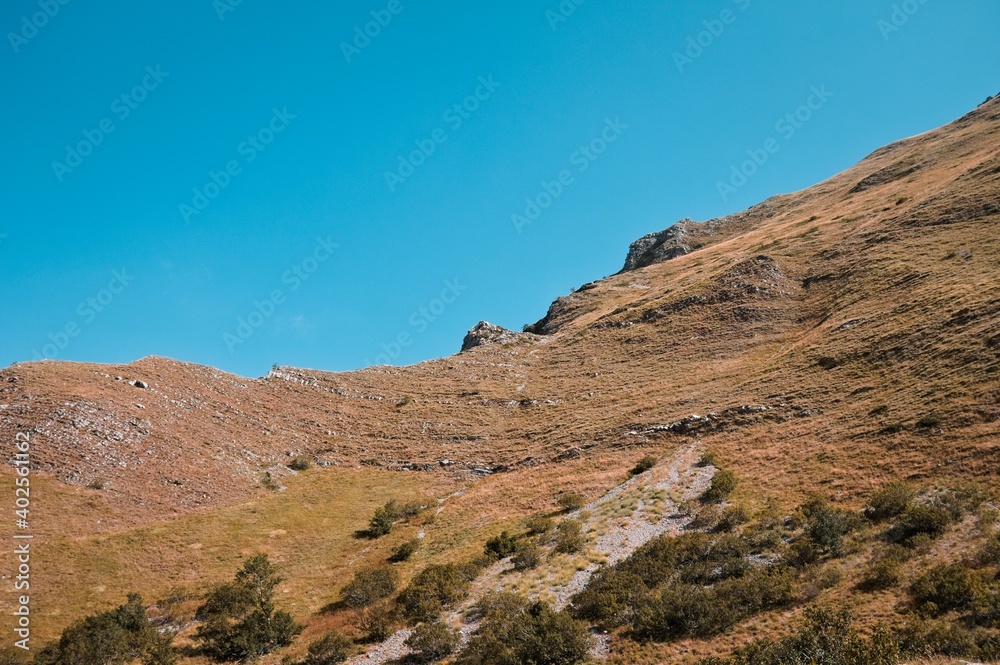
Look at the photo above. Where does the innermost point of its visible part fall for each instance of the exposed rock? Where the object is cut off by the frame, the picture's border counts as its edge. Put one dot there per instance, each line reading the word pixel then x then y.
pixel 142 385
pixel 659 247
pixel 487 333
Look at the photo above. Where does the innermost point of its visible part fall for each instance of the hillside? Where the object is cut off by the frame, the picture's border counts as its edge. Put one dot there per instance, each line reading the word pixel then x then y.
pixel 823 342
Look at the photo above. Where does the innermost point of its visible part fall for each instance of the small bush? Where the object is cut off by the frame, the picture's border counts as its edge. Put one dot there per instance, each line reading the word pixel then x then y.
pixel 539 525
pixel 644 465
pixel 944 588
pixel 329 650
pixel 527 555
pixel 569 537
pixel 723 484
pixel 436 587
pixel 879 410
pixel 409 510
pixel 268 482
pixel 383 520
pixel 708 458
pixel 989 554
pixel 732 517
pixel 827 526
pixel 570 502
pixel 706 518
pixel 432 641
pixel 889 501
pixel 920 520
pixel 885 570
pixel 930 420
pixel 369 586
pixel 502 546
pixel 405 551
pixel 300 463
pixel 377 622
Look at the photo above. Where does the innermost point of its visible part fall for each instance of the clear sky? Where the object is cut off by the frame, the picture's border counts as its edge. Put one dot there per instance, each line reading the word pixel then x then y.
pixel 174 168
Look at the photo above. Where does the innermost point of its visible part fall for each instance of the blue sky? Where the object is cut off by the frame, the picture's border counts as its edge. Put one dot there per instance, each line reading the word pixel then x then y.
pixel 208 181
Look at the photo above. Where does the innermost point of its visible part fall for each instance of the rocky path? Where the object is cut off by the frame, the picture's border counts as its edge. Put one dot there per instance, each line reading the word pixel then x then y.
pixel 627 517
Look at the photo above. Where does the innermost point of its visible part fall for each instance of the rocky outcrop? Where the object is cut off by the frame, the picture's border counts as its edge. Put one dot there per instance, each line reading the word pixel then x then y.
pixel 660 247
pixel 485 332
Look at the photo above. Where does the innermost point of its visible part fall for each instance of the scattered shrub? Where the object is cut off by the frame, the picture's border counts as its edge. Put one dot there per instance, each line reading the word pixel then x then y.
pixel 944 588
pixel 432 641
pixel 570 502
pixel 611 598
pixel 885 570
pixel 826 526
pixel 514 631
pixel 436 587
pixel 706 518
pixel 369 586
pixel 383 520
pixel 502 546
pixel 930 420
pixel 377 622
pixel 268 482
pixel 989 555
pixel 300 463
pixel 893 428
pixel 329 650
pixel 918 520
pixel 405 551
pixel 569 537
pixel 527 555
pixel 115 637
pixel 723 484
pixel 239 621
pixel 889 501
pixel 539 525
pixel 708 458
pixel 879 410
pixel 732 517
pixel 644 465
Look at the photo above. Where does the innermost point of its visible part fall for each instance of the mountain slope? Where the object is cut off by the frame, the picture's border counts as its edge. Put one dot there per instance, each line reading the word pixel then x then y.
pixel 823 341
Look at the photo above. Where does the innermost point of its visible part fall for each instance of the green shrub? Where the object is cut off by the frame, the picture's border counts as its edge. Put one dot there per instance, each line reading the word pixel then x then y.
pixel 944 588
pixel 889 501
pixel 383 520
pixel 921 639
pixel 436 587
pixel 300 463
pixel 723 484
pixel 502 546
pixel 377 622
pixel 514 632
pixel 239 621
pixel 643 465
pixel 570 502
pixel 369 586
pixel 610 598
pixel 930 420
pixel 920 520
pixel 405 551
pixel 708 458
pixel 527 555
pixel 732 517
pixel 432 641
pixel 539 525
pixel 329 650
pixel 989 554
pixel 115 637
pixel 409 510
pixel 826 526
pixel 569 537
pixel 884 571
